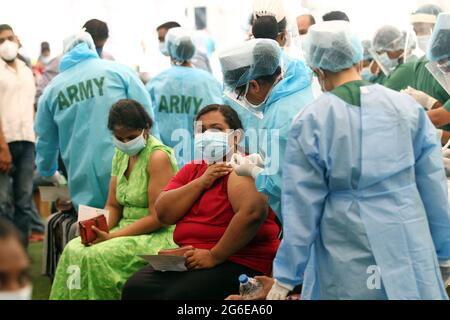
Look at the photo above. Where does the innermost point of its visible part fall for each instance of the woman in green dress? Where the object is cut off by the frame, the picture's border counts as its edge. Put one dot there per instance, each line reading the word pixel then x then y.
pixel 142 167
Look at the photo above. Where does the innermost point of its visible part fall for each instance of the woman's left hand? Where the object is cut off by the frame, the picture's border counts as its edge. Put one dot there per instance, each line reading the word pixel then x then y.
pixel 101 236
pixel 198 259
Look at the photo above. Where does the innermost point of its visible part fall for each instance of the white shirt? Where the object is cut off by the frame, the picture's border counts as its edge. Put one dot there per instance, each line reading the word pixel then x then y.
pixel 17 95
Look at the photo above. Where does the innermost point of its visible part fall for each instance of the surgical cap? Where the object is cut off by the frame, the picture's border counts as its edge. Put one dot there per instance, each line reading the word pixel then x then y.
pixel 332 46
pixel 426 14
pixel 439 48
pixel 74 40
pixel 180 45
pixel 250 61
pixel 388 39
pixel 367 45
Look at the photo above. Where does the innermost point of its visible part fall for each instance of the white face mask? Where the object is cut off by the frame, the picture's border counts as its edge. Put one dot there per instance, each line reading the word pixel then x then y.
pixel 423 41
pixel 132 147
pixel 213 146
pixel 46 60
pixel 9 50
pixel 19 295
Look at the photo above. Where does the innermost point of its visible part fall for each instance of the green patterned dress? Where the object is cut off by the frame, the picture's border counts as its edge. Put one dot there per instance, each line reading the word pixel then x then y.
pixel 100 272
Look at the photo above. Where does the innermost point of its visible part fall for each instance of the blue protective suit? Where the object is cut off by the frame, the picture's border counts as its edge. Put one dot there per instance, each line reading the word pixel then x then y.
pixel 72 118
pixel 287 99
pixel 365 195
pixel 178 94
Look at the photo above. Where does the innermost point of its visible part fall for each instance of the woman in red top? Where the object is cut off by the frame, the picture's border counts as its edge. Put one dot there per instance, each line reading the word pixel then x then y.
pixel 220 217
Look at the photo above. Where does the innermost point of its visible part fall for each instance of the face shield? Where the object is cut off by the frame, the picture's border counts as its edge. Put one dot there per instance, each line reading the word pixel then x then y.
pixel 239 97
pixel 415 47
pixel 388 39
pixel 423 31
pixel 386 64
pixel 441 72
pixel 246 62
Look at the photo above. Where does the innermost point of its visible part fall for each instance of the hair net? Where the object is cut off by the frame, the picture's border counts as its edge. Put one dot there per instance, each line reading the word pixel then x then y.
pixel 426 14
pixel 180 45
pixel 439 48
pixel 367 45
pixel 250 61
pixel 332 46
pixel 388 39
pixel 74 40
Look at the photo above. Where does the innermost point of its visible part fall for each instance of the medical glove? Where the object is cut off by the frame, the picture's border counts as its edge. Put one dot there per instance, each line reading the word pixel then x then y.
pixel 278 292
pixel 247 166
pixel 421 97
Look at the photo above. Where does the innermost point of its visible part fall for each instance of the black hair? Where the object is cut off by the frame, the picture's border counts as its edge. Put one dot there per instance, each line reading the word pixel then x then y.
pixel 97 29
pixel 168 25
pixel 440 47
pixel 231 116
pixel 265 27
pixel 5 27
pixel 45 46
pixel 129 114
pixel 336 15
pixel 281 26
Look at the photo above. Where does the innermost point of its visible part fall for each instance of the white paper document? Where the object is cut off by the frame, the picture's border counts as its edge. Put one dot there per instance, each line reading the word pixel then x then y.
pixel 51 194
pixel 166 263
pixel 87 213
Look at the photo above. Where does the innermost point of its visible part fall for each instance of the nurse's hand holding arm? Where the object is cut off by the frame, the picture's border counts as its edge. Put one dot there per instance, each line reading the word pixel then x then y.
pixel 251 166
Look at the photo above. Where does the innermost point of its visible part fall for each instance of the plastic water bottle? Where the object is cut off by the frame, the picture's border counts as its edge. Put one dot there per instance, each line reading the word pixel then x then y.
pixel 249 288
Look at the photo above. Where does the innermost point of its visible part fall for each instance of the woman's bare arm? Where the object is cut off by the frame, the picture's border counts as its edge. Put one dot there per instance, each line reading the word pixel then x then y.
pixel 251 211
pixel 112 205
pixel 160 172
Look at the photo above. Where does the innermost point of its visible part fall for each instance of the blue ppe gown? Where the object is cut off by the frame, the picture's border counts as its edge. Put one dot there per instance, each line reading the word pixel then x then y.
pixel 287 99
pixel 365 205
pixel 72 118
pixel 177 95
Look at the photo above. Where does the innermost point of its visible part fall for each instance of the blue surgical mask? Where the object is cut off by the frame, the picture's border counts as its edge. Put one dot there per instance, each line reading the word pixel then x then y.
pixel 132 147
pixel 213 146
pixel 387 62
pixel 163 49
pixel 366 74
